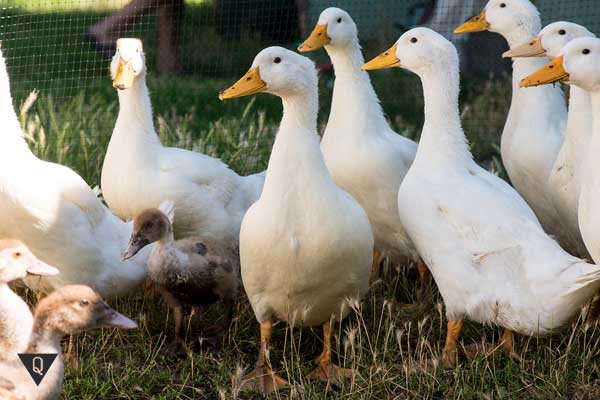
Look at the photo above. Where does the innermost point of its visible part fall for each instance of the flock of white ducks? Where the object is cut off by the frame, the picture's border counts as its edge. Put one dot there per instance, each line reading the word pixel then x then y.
pixel 311 228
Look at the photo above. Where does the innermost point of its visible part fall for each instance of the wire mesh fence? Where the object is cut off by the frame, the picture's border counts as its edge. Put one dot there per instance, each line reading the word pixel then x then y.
pixel 196 47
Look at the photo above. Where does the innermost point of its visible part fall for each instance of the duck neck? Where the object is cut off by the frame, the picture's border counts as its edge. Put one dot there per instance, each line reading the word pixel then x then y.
pixel 355 108
pixel 593 159
pixel 579 119
pixel 296 162
pixel 442 139
pixel 134 122
pixel 299 111
pixel 11 134
pixel 44 339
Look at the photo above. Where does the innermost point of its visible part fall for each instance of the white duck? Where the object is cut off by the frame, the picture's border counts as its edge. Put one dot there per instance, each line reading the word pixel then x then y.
pixel 210 198
pixel 577 64
pixel 58 217
pixel 565 178
pixel 306 245
pixel 490 257
pixel 16 321
pixel 363 154
pixel 536 122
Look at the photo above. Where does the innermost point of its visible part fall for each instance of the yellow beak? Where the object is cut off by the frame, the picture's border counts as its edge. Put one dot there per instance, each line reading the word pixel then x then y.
pixel 532 48
pixel 249 84
pixel 125 75
pixel 387 59
pixel 476 24
pixel 552 72
pixel 317 39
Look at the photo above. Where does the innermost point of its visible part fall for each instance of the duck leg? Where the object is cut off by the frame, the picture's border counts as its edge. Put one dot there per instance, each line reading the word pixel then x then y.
pixel 449 352
pixel 178 346
pixel 594 311
pixel 508 344
pixel 424 276
pixel 375 267
pixel 263 378
pixel 326 370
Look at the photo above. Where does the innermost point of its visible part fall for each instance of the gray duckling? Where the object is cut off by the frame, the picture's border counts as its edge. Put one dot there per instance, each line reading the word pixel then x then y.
pixel 193 271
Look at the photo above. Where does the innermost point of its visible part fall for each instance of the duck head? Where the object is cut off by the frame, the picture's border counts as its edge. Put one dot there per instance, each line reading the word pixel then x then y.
pixel 150 226
pixel 550 41
pixel 503 17
pixel 335 28
pixel 76 308
pixel 577 64
pixel 128 64
pixel 419 50
pixel 277 71
pixel 16 261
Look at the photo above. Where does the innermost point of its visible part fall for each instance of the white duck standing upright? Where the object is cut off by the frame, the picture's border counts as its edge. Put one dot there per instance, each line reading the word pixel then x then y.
pixel 210 198
pixel 306 245
pixel 534 130
pixel 565 178
pixel 58 217
pixel 577 64
pixel 491 259
pixel 363 154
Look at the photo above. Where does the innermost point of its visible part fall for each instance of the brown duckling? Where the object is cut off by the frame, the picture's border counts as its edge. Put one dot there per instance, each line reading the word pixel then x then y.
pixel 194 271
pixel 16 320
pixel 68 311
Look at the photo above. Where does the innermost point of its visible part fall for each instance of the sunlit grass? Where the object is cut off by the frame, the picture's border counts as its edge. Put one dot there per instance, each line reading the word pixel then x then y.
pixel 75 5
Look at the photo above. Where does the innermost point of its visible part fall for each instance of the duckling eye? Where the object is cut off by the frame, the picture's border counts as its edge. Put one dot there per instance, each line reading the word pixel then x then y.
pixel 502 5
pixel 277 60
pixel 414 40
pixel 562 32
pixel 586 51
pixel 17 254
pixel 85 302
pixel 339 20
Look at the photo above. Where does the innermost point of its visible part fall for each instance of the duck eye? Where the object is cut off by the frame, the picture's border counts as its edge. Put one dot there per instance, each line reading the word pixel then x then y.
pixel 85 302
pixel 502 5
pixel 18 254
pixel 562 32
pixel 277 60
pixel 414 40
pixel 339 20
pixel 586 51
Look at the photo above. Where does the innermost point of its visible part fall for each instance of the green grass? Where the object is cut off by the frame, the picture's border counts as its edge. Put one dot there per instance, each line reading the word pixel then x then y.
pixel 71 122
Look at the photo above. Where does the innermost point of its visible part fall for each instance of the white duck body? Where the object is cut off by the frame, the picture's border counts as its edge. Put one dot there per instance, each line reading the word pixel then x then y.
pixel 580 60
pixel 534 130
pixel 210 198
pixel 589 212
pixel 363 154
pixel 58 217
pixel 565 178
pixel 306 245
pixel 489 256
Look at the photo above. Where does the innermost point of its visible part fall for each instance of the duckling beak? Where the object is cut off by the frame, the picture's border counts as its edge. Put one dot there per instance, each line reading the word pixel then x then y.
pixel 532 48
pixel 387 59
pixel 41 268
pixel 113 319
pixel 249 84
pixel 125 75
pixel 477 23
pixel 317 39
pixel 136 243
pixel 550 73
